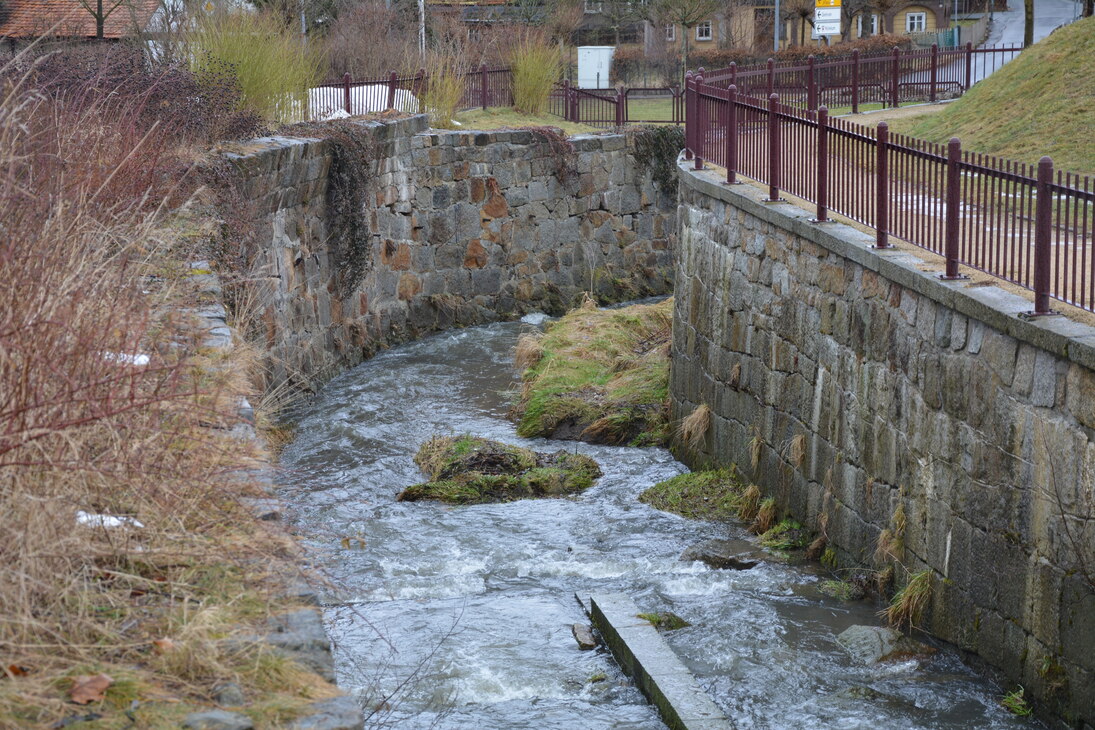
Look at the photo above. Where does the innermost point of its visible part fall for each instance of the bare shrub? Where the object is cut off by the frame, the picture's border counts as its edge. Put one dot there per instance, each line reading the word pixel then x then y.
pixel 537 66
pixel 119 488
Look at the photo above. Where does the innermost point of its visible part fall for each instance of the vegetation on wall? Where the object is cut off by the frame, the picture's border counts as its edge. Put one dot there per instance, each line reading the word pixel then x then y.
pixel 656 150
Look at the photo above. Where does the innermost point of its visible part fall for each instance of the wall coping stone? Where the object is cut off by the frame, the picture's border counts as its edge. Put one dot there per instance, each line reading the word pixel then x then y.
pixel 992 305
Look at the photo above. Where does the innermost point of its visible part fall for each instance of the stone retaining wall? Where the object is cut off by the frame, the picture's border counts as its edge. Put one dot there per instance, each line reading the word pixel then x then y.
pixel 874 396
pixel 460 228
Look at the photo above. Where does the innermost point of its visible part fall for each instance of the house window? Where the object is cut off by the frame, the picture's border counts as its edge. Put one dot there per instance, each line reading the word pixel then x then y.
pixel 670 32
pixel 916 22
pixel 703 31
pixel 594 6
pixel 866 24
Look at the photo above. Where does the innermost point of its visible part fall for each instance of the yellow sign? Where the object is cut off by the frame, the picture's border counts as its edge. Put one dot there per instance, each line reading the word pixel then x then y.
pixel 826 3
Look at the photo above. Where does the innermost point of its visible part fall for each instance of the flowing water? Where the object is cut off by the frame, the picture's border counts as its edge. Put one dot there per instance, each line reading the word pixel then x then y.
pixel 464 613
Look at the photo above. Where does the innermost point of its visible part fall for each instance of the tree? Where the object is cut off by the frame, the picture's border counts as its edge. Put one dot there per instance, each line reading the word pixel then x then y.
pixel 619 13
pixel 1089 8
pixel 686 14
pixel 1028 27
pixel 564 19
pixel 803 12
pixel 101 11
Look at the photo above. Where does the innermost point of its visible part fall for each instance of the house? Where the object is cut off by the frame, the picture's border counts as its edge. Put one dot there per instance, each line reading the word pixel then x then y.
pixel 22 21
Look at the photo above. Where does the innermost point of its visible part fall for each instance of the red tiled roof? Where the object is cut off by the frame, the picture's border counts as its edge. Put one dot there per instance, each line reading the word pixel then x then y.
pixel 69 19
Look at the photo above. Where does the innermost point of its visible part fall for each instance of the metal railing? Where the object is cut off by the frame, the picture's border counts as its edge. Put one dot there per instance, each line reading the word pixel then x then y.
pixel 617 107
pixel 484 87
pixel 1030 225
pixel 890 79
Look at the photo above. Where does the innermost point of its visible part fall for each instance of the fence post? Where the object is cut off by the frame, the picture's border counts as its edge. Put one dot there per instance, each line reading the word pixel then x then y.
pixel 575 108
pixel 483 86
pixel 969 66
pixel 700 135
pixel 346 91
pixel 732 135
pixel 392 80
pixel 771 76
pixel 733 73
pixel 689 117
pixel 773 149
pixel 894 79
pixel 954 180
pixel 822 165
pixel 935 70
pixel 1043 224
pixel 811 86
pixel 621 107
pixel 855 81
pixel 882 188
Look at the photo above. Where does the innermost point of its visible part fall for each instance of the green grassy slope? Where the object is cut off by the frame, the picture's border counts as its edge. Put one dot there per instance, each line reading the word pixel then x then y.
pixel 1042 103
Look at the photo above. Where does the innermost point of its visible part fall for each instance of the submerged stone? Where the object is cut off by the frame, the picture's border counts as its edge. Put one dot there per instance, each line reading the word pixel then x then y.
pixel 721 555
pixel 473 470
pixel 873 644
pixel 583 634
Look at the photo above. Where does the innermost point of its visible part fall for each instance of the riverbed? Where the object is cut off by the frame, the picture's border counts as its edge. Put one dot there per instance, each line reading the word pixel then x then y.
pixel 461 616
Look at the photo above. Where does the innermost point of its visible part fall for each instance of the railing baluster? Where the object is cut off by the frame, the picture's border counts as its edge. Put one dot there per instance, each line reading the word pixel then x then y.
pixel 822 165
pixel 346 92
pixel 954 180
pixel 1043 223
pixel 732 135
pixel 773 149
pixel 882 188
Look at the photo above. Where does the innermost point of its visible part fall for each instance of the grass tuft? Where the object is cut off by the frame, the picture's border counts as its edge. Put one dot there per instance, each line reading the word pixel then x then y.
pixel 703 495
pixel 749 504
pixel 765 518
pixel 599 375
pixel 536 65
pixel 908 604
pixel 473 470
pixel 693 428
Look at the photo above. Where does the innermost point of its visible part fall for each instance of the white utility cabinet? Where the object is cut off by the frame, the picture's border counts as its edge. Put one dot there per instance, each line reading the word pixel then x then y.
pixel 594 65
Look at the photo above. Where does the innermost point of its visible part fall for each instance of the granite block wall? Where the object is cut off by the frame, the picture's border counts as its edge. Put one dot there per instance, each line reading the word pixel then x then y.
pixel 458 228
pixel 879 397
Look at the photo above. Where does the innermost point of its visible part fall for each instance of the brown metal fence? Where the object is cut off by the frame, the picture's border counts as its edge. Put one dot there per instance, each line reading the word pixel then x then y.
pixel 890 79
pixel 483 87
pixel 618 107
pixel 1030 225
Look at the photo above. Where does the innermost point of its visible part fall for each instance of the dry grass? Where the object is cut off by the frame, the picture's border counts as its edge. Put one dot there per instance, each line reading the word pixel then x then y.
pixel 598 375
pixel 693 428
pixel 766 518
pixel 908 604
pixel 750 503
pixel 528 351
pixel 796 450
pixel 755 445
pixel 537 65
pixel 109 404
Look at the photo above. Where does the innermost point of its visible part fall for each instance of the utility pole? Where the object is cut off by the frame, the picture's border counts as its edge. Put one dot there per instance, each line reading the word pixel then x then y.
pixel 422 29
pixel 775 29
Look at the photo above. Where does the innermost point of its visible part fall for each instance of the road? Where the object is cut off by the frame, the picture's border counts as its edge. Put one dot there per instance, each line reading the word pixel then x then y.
pixel 1007 27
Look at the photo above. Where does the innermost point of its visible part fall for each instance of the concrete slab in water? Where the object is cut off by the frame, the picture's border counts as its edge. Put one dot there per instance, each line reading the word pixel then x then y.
pixel 643 654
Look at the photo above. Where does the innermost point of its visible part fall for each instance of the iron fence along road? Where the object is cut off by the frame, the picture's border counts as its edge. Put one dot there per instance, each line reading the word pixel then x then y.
pixel 1031 225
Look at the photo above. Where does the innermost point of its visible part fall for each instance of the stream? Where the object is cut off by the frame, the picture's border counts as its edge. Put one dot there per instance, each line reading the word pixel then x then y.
pixel 463 614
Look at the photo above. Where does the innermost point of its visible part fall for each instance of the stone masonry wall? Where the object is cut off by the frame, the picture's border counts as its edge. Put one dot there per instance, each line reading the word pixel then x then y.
pixel 461 228
pixel 871 387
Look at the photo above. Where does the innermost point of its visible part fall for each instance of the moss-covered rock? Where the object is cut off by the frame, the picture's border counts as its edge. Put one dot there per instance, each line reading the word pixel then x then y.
pixel 598 375
pixel 701 495
pixel 473 470
pixel 665 621
pixel 787 535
